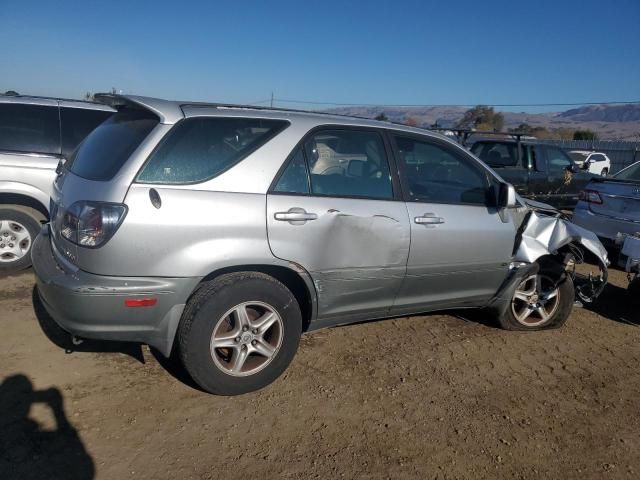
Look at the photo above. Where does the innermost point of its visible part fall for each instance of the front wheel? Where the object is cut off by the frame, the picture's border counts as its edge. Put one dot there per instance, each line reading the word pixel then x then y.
pixel 604 172
pixel 539 303
pixel 239 332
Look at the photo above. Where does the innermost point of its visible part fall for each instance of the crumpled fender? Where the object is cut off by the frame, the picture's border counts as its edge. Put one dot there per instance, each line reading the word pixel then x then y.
pixel 544 235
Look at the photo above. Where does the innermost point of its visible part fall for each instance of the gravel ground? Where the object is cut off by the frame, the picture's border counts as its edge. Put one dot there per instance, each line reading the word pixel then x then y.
pixel 436 396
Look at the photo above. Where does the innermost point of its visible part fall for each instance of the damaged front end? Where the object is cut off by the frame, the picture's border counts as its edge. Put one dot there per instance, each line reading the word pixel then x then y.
pixel 546 234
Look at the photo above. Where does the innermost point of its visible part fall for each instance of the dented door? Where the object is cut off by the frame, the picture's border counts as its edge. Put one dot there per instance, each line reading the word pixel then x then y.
pixel 355 249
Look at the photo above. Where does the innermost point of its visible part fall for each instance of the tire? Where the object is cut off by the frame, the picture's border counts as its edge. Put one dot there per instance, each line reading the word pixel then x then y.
pixel 558 312
pixel 19 227
pixel 604 172
pixel 214 313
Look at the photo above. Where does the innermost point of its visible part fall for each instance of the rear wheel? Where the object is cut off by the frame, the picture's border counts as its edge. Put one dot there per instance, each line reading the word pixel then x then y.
pixel 604 172
pixel 18 229
pixel 239 332
pixel 539 302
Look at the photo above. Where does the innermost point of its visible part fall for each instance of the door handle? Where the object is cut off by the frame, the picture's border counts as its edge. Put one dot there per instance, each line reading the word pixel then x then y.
pixel 295 215
pixel 429 219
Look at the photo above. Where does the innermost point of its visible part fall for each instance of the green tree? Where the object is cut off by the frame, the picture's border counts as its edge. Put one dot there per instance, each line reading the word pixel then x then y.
pixel 522 128
pixel 585 134
pixel 382 117
pixel 482 117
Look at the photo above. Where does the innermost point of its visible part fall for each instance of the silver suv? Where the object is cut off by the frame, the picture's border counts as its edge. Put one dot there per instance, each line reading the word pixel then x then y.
pixel 35 134
pixel 224 232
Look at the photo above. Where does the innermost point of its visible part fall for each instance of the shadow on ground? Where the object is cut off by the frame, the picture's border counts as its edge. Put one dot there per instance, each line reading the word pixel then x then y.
pixel 618 304
pixel 27 450
pixel 64 340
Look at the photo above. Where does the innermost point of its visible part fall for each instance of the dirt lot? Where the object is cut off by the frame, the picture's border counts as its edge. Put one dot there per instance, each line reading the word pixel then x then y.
pixel 436 396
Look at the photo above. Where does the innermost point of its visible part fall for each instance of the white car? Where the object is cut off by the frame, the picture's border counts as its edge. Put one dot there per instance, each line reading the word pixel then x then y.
pixel 593 162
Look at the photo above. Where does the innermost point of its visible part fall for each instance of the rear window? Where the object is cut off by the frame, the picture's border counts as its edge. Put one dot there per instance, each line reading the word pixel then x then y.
pixel 108 147
pixel 631 173
pixel 578 156
pixel 29 128
pixel 496 154
pixel 77 123
pixel 201 148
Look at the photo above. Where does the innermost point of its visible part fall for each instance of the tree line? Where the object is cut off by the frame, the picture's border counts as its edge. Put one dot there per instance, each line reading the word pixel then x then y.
pixel 486 119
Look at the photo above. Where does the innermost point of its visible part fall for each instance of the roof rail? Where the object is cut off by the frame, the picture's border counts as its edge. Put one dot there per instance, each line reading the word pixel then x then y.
pixel 59 99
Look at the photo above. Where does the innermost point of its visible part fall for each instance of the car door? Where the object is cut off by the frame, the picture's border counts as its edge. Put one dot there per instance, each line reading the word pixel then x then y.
pixel 336 211
pixel 460 246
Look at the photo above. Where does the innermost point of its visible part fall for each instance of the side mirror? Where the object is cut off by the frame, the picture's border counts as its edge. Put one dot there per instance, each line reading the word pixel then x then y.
pixel 507 196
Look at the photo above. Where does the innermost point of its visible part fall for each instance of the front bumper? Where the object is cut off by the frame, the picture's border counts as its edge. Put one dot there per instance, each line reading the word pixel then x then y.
pixel 93 306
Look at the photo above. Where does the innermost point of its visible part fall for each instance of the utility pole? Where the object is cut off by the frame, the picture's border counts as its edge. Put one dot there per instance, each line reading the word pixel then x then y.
pixel 271 99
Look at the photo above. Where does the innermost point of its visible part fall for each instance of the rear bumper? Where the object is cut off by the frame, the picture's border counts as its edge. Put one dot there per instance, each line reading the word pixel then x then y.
pixel 604 226
pixel 93 306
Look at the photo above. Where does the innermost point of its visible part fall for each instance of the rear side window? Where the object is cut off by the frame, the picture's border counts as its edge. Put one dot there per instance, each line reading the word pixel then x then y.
pixel 77 123
pixel 29 128
pixel 109 146
pixel 348 163
pixel 201 148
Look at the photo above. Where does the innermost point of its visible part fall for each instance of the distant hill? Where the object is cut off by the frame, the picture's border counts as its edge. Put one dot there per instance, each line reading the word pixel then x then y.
pixel 621 122
pixel 604 113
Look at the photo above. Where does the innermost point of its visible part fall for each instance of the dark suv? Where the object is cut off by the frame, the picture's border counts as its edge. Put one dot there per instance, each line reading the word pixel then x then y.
pixel 35 134
pixel 541 172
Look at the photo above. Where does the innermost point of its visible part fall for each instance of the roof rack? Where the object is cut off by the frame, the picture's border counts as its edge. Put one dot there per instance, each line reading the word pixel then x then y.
pixel 463 134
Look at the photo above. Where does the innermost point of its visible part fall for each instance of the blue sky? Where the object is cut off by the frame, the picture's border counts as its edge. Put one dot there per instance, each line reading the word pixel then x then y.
pixel 381 52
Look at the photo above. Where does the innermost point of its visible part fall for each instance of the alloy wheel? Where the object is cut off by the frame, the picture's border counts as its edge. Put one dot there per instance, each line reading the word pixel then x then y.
pixel 247 338
pixel 535 301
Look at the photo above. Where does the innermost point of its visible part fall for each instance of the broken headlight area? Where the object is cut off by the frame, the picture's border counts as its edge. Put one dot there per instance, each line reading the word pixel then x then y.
pixel 548 234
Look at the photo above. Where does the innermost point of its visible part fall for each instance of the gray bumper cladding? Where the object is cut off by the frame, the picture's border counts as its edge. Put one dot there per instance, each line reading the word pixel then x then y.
pixel 93 306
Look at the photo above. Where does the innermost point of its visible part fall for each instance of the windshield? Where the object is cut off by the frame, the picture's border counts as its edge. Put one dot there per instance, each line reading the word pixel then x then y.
pixel 578 157
pixel 101 155
pixel 629 173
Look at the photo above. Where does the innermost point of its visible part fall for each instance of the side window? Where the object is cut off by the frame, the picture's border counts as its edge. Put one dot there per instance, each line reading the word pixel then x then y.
pixel 201 148
pixel 497 155
pixel 557 160
pixel 348 163
pixel 29 128
pixel 295 178
pixel 596 158
pixel 77 123
pixel 432 173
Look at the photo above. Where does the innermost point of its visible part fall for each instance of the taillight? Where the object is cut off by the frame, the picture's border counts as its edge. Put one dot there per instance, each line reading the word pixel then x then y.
pixel 590 196
pixel 91 224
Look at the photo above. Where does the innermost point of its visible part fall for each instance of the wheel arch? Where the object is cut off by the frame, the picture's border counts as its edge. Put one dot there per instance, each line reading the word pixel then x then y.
pixel 293 276
pixel 8 199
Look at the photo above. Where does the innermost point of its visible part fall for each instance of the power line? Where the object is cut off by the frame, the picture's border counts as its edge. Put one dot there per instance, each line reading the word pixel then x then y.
pixel 380 105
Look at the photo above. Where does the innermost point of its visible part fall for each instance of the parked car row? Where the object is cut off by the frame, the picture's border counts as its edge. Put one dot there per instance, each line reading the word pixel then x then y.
pixel 224 232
